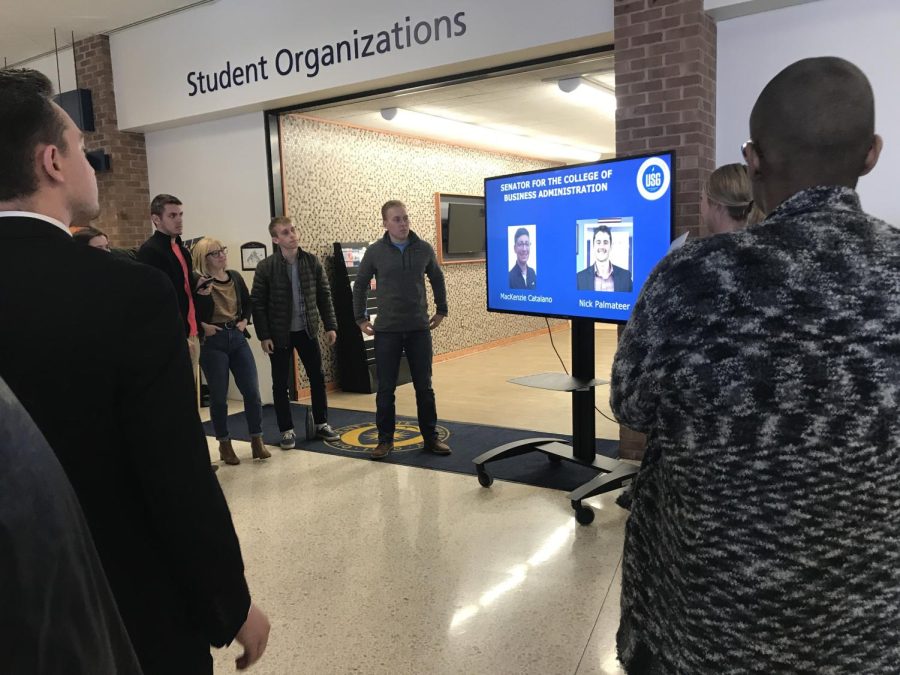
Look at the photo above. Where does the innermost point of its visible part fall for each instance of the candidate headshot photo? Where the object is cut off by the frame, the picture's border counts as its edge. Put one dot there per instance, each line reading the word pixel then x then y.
pixel 602 274
pixel 522 257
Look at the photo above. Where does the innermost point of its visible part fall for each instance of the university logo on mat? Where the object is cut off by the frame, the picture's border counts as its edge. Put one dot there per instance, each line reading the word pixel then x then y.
pixel 364 437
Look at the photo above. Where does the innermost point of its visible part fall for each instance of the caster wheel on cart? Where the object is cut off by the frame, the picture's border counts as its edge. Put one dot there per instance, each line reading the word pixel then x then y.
pixel 584 515
pixel 484 479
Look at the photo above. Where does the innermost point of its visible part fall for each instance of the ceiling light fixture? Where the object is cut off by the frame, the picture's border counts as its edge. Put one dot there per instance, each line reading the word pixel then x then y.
pixel 466 133
pixel 583 92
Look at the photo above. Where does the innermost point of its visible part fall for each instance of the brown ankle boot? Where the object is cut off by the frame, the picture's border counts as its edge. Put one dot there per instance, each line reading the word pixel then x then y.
pixel 259 448
pixel 226 452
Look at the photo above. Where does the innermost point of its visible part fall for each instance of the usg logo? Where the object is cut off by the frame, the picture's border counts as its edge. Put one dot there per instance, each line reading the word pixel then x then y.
pixel 653 178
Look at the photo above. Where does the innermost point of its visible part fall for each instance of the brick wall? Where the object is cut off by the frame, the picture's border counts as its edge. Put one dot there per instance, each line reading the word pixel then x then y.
pixel 666 92
pixel 666 95
pixel 124 190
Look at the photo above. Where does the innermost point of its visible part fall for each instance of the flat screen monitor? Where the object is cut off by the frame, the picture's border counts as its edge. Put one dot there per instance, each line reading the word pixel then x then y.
pixel 465 225
pixel 577 241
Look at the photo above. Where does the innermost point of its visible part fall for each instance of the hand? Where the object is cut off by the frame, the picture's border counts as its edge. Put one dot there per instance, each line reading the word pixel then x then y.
pixel 268 346
pixel 206 290
pixel 241 325
pixel 209 329
pixel 253 637
pixel 435 321
pixel 367 328
pixel 331 337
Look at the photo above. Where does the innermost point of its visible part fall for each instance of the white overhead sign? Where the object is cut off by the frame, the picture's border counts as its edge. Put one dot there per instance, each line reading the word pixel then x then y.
pixel 234 56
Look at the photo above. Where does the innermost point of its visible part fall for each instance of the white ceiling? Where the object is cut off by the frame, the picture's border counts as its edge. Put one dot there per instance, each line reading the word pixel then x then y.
pixel 528 103
pixel 26 26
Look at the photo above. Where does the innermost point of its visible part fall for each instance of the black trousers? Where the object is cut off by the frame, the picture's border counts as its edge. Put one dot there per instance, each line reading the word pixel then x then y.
pixel 311 358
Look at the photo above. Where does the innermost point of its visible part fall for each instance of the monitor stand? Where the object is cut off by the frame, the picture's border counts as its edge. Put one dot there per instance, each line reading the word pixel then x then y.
pixel 613 474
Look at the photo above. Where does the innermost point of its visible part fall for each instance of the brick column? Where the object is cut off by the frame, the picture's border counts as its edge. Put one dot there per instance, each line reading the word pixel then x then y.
pixel 666 95
pixel 124 190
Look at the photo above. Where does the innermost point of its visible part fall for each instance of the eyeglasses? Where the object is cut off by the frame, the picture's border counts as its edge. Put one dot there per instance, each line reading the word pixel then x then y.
pixel 218 252
pixel 523 244
pixel 746 144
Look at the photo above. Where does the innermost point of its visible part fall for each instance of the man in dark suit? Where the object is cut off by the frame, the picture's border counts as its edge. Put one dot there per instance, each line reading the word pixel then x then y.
pixel 95 351
pixel 59 615
pixel 603 275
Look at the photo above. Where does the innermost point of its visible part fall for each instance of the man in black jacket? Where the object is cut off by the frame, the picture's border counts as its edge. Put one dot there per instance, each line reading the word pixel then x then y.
pixel 290 293
pixel 166 253
pixel 602 275
pixel 108 407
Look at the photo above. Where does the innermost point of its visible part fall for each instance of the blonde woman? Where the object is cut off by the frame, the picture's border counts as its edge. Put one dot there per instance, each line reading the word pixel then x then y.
pixel 223 315
pixel 727 201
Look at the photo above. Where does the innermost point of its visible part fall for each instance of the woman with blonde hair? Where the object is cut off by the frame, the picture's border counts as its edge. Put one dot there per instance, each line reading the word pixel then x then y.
pixel 224 313
pixel 727 201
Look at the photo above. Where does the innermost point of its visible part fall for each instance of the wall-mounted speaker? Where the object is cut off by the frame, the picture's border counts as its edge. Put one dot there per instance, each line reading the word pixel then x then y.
pixel 99 160
pixel 80 107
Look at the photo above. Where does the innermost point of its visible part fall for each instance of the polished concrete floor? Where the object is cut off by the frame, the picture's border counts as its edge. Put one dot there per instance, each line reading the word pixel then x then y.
pixel 377 568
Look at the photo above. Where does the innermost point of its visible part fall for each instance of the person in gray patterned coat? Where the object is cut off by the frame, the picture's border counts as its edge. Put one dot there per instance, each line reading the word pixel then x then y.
pixel 764 366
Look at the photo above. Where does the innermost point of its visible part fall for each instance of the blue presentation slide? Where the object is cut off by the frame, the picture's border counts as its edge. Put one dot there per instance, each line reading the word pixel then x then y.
pixel 577 241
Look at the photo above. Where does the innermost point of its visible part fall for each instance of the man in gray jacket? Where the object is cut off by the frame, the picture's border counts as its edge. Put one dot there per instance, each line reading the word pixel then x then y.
pixel 290 293
pixel 399 261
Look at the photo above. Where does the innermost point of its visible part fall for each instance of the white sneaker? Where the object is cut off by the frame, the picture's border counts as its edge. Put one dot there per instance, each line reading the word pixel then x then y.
pixel 288 440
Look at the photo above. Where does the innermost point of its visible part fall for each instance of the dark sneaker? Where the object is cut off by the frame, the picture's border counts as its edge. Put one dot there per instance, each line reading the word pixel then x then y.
pixel 438 447
pixel 326 433
pixel 382 450
pixel 288 440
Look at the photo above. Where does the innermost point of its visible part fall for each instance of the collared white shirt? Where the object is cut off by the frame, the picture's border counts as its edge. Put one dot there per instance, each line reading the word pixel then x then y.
pixel 39 216
pixel 604 283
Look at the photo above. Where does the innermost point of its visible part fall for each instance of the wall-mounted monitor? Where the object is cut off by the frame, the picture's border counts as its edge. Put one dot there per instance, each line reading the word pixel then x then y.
pixel 460 228
pixel 578 241
pixel 465 225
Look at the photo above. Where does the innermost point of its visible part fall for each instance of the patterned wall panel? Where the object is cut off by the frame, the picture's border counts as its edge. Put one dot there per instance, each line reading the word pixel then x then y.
pixel 337 177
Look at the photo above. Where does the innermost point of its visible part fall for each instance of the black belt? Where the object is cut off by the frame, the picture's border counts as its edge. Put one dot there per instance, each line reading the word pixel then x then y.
pixel 228 325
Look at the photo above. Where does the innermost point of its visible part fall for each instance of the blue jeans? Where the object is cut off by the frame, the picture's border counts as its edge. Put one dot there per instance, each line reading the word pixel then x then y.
pixel 389 347
pixel 228 349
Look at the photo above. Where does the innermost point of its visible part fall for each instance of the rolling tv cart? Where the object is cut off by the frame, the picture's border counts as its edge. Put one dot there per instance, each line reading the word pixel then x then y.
pixel 613 474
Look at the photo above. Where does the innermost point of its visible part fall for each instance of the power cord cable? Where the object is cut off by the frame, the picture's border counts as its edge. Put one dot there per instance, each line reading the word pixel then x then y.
pixel 566 370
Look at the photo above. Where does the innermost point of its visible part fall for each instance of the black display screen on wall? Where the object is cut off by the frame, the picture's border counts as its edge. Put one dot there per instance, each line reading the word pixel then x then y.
pixel 460 228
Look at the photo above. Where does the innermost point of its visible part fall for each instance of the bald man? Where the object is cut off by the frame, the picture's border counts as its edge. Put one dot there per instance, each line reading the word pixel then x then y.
pixel 765 367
